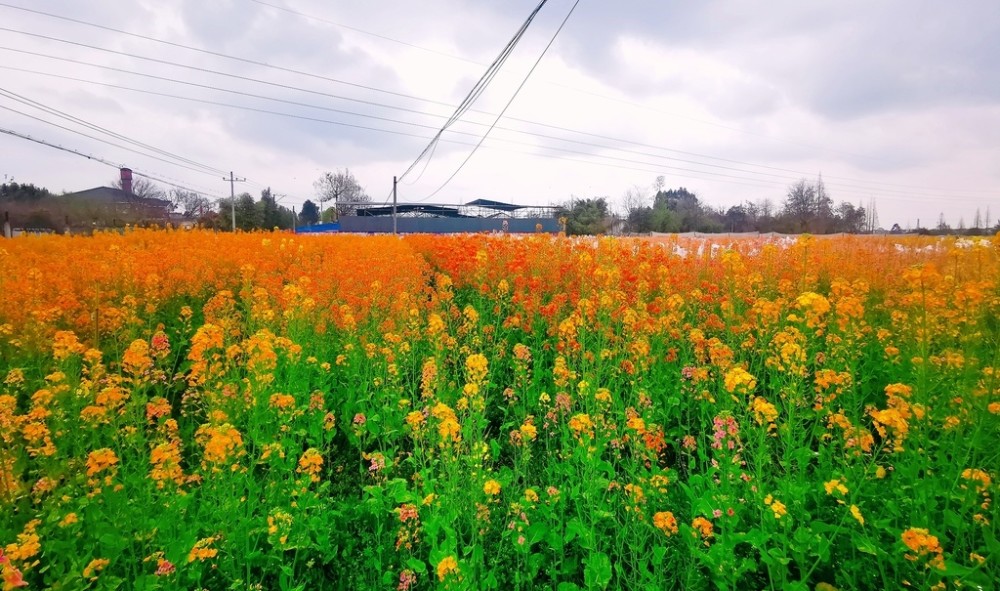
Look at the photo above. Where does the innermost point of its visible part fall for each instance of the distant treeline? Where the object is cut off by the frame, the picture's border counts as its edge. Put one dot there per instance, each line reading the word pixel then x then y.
pixel 807 207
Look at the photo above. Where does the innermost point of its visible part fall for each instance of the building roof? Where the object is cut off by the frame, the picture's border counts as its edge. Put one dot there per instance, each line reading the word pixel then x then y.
pixel 499 205
pixel 115 195
pixel 478 208
pixel 436 210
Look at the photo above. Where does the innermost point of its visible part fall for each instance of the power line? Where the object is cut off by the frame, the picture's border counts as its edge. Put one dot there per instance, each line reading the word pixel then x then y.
pixel 660 170
pixel 318 120
pixel 509 102
pixel 479 87
pixel 387 119
pixel 362 31
pixel 217 88
pixel 405 134
pixel 550 156
pixel 217 54
pixel 63 115
pixel 264 64
pixel 290 87
pixel 516 131
pixel 567 87
pixel 103 141
pixel 29 138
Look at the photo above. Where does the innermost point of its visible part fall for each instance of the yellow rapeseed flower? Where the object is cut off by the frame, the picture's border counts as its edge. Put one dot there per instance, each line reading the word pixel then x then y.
pixel 856 514
pixel 95 566
pixel 202 550
pixel 492 487
pixel 739 379
pixel 835 485
pixel 447 566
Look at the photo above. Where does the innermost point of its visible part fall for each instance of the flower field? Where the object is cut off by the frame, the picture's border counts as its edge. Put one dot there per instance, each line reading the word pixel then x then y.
pixel 185 410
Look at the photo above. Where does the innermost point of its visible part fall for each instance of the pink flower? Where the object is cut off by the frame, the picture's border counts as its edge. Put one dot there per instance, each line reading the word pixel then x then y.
pixel 408 512
pixel 164 567
pixel 406 579
pixel 717 513
pixel 360 419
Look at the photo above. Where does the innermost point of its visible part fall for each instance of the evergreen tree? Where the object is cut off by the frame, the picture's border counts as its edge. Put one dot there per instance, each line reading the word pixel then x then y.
pixel 310 214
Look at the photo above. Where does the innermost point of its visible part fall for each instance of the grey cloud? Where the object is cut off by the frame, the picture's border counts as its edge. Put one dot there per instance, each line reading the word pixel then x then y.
pixel 842 60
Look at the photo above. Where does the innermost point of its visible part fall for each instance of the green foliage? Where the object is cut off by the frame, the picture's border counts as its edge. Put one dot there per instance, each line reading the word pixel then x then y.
pixel 265 213
pixel 310 214
pixel 22 192
pixel 586 216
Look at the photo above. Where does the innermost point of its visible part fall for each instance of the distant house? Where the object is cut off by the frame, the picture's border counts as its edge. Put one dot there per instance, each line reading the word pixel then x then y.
pixel 125 202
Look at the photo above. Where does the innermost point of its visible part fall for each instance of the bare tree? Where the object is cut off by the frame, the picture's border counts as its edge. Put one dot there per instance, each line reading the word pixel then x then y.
pixel 765 208
pixel 800 205
pixel 144 188
pixel 191 204
pixel 343 189
pixel 634 199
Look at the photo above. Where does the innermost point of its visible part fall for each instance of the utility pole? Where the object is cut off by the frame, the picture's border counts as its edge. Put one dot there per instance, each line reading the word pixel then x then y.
pixel 394 205
pixel 294 218
pixel 232 193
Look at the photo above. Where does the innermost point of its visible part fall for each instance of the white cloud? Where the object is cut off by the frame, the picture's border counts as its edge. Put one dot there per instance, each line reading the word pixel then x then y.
pixel 878 97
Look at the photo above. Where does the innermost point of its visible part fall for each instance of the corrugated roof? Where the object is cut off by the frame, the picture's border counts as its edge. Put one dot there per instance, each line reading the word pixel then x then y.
pixel 438 210
pixel 498 205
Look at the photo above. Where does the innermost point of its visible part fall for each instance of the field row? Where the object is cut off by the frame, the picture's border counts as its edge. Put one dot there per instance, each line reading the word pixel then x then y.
pixel 199 410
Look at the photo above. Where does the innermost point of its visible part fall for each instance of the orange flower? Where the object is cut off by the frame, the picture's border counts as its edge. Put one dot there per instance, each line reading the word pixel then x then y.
pixel 702 528
pixel 136 359
pixel 100 460
pixel 202 550
pixel 920 541
pixel 665 522
pixel 311 463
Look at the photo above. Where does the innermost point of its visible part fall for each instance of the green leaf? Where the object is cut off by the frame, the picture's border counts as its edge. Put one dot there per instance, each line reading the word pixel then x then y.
pixel 536 533
pixel 779 556
pixel 597 571
pixel 659 553
pixel 555 541
pixel 576 529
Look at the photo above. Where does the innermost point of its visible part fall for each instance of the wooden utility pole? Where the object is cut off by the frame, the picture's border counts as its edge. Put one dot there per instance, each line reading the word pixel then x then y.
pixel 394 205
pixel 232 194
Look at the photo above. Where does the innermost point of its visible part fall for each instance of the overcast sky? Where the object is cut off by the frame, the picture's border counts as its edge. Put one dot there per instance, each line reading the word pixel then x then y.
pixel 896 101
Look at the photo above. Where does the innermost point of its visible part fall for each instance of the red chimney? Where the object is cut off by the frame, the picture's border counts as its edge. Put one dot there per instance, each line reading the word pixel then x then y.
pixel 127 180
